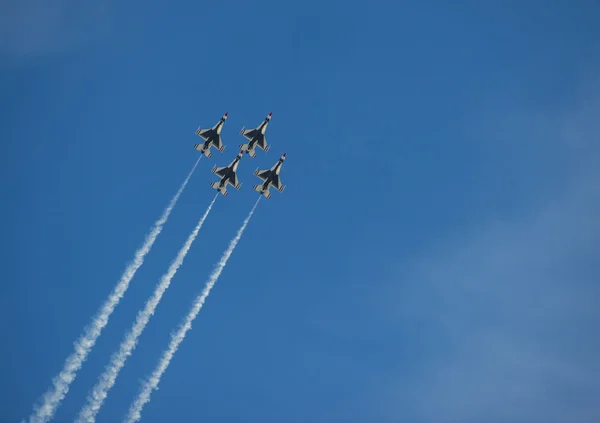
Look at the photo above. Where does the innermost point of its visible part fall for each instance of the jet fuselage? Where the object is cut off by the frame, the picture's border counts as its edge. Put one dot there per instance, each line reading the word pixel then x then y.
pixel 274 173
pixel 230 172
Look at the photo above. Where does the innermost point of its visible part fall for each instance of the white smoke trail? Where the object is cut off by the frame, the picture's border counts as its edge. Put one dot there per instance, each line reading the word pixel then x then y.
pixel 107 379
pixel 135 411
pixel 54 396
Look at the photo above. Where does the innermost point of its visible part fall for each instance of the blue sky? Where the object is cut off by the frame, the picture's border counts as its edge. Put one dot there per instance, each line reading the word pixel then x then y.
pixel 434 255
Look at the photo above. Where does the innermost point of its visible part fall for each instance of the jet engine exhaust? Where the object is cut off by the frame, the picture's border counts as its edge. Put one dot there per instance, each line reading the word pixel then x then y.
pixel 60 384
pixel 107 379
pixel 177 338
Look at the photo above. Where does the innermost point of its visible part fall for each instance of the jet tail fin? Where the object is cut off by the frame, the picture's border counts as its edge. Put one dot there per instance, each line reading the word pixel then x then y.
pixel 244 147
pixel 259 188
pixel 222 190
pixel 200 148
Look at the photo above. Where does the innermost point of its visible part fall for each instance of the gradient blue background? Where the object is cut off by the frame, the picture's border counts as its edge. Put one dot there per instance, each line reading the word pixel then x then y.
pixel 434 257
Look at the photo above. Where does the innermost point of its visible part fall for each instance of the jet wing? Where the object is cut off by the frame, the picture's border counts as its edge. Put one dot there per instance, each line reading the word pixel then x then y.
pixel 276 181
pixel 262 174
pixel 234 181
pixel 204 133
pixel 218 143
pixel 261 142
pixel 221 171
pixel 249 133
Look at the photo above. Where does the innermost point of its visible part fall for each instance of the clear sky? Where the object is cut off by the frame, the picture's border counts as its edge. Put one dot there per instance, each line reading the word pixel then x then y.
pixel 434 257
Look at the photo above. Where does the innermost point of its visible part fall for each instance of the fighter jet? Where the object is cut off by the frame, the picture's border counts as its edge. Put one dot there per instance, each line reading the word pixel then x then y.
pixel 211 136
pixel 270 177
pixel 256 137
pixel 228 175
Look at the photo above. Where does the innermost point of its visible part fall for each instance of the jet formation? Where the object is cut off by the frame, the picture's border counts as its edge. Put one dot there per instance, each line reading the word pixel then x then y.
pixel 228 174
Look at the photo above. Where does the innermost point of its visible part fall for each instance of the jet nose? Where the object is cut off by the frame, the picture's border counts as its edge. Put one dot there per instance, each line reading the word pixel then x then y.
pixel 226 113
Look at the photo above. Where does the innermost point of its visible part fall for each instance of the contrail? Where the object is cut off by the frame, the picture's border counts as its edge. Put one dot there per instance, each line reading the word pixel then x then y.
pixel 53 397
pixel 151 384
pixel 118 359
